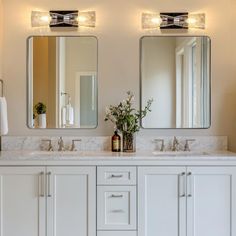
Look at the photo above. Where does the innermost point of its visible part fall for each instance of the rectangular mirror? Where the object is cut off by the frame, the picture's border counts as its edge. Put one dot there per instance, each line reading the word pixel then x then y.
pixel 62 82
pixel 175 72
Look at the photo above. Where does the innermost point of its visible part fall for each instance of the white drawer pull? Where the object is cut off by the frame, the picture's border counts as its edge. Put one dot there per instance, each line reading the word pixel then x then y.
pixel 116 176
pixel 117 196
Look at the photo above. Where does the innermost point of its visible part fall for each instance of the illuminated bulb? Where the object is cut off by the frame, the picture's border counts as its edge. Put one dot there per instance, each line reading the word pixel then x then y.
pixel 40 19
pixel 82 18
pixel 45 19
pixel 156 20
pixel 191 21
pixel 87 19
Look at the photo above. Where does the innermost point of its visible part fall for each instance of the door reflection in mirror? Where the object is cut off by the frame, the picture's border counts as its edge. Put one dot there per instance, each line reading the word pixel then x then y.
pixel 62 74
pixel 175 72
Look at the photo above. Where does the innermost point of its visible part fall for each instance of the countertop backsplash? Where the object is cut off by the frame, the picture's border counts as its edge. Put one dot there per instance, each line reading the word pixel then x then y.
pixel 103 143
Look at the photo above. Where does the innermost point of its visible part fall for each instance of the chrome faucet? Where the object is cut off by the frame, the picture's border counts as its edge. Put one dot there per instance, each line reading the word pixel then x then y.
pixel 186 146
pixel 73 144
pixel 162 141
pixel 61 145
pixel 175 146
pixel 50 147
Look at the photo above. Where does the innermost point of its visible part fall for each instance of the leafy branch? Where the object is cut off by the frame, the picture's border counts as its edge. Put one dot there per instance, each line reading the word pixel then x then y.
pixel 125 117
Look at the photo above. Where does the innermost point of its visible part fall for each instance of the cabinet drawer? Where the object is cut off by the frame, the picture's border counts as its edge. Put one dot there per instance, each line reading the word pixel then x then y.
pixel 116 175
pixel 116 207
pixel 116 233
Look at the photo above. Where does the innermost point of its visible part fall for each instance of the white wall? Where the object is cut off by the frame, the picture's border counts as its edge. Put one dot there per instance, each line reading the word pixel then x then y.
pixel 118 31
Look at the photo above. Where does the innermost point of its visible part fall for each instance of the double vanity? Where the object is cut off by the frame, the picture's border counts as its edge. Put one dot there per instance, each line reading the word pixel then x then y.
pixel 92 192
pixel 89 193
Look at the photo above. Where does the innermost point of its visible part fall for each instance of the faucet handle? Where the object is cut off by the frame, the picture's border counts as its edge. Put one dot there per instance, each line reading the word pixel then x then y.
pixel 73 144
pixel 186 146
pixel 162 144
pixel 50 148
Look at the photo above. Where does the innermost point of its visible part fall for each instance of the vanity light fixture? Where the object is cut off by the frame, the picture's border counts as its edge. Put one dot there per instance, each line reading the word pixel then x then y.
pixel 182 20
pixel 63 19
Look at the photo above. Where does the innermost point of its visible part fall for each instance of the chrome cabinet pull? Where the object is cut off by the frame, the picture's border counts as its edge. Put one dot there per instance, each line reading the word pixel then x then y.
pixel 117 211
pixel 182 181
pixel 49 184
pixel 190 184
pixel 117 196
pixel 116 176
pixel 41 184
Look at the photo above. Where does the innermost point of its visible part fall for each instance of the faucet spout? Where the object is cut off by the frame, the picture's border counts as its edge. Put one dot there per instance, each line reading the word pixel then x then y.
pixel 61 145
pixel 175 146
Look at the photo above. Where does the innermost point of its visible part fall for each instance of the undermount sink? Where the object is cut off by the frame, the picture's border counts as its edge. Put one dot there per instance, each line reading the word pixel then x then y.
pixel 56 153
pixel 179 153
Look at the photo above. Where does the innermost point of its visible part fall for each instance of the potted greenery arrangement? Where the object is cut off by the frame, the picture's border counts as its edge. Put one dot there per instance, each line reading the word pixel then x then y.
pixel 127 120
pixel 40 109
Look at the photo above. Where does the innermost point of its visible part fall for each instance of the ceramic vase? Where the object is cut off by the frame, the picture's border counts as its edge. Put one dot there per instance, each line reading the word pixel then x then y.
pixel 42 121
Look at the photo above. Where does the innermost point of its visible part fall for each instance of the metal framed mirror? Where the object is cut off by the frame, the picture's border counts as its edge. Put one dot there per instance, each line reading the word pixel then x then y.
pixel 62 82
pixel 176 72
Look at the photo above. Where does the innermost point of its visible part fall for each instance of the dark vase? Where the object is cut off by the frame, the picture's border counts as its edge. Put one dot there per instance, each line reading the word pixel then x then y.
pixel 129 142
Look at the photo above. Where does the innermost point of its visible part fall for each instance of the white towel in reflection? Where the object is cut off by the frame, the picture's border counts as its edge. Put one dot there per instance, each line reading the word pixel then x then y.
pixel 69 114
pixel 3 116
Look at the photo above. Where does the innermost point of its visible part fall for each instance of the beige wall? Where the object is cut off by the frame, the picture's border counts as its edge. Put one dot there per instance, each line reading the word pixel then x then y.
pixel 158 81
pixel 118 31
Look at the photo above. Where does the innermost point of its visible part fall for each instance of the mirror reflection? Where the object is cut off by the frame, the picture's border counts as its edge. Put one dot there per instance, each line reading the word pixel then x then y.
pixel 175 72
pixel 62 82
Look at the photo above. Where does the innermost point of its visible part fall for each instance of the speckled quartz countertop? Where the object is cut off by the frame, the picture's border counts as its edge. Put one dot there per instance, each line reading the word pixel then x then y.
pixel 31 158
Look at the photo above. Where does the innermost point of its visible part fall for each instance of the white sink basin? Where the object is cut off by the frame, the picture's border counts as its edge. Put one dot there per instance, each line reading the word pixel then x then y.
pixel 56 153
pixel 179 153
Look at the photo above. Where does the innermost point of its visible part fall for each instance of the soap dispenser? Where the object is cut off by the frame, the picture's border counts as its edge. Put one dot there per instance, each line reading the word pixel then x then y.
pixel 116 142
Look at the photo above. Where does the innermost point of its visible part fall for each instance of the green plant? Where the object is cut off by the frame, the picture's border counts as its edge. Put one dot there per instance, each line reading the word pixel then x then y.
pixel 125 117
pixel 40 108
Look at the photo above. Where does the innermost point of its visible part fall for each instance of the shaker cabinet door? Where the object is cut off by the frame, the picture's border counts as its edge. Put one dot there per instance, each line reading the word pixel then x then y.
pixel 71 201
pixel 22 201
pixel 161 201
pixel 211 201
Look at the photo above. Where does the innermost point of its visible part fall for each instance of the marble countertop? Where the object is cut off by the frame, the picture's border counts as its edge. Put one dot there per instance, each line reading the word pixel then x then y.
pixel 108 158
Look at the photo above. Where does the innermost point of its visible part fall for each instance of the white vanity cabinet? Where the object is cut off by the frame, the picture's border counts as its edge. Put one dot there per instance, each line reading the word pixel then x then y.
pixel 116 201
pixel 187 201
pixel 52 201
pixel 121 199
pixel 22 206
pixel 71 201
pixel 211 201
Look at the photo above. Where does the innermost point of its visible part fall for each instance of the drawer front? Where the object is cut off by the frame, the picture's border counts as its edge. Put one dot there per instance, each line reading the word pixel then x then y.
pixel 116 175
pixel 116 207
pixel 116 233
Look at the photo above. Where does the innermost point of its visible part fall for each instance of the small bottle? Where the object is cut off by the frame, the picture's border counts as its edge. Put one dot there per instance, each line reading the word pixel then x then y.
pixel 116 142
